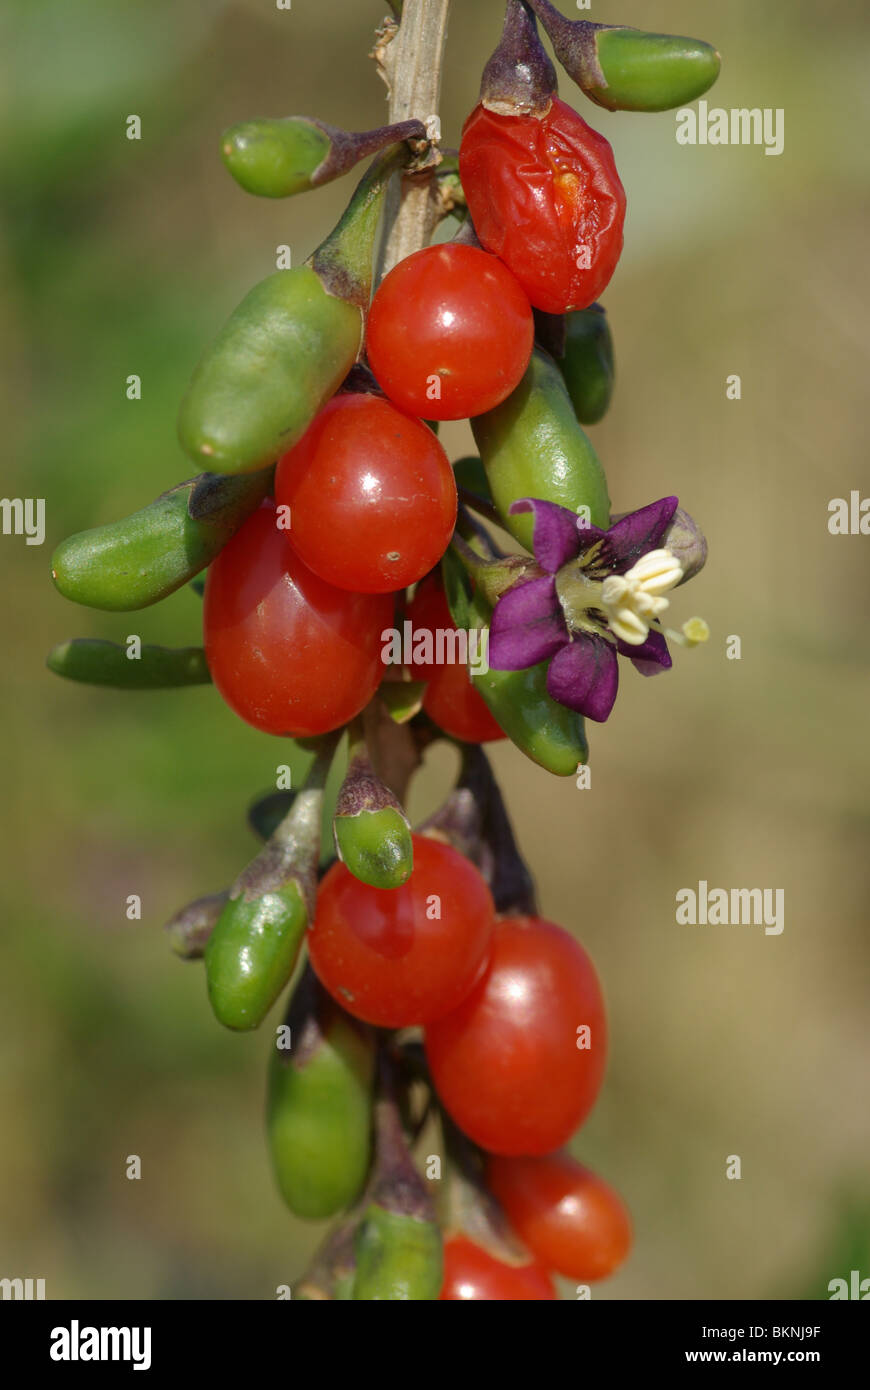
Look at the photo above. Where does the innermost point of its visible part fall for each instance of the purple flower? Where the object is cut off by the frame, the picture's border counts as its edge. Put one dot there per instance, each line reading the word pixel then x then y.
pixel 602 594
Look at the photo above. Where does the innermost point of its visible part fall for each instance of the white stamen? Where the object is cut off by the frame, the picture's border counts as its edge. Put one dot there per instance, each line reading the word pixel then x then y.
pixel 632 601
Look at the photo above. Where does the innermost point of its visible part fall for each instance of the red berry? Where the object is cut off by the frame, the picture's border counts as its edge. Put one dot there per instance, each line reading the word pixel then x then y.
pixel 546 198
pixel 569 1218
pixel 507 1063
pixel 471 1273
pixel 289 653
pixel 449 333
pixel 400 956
pixel 450 699
pixel 371 495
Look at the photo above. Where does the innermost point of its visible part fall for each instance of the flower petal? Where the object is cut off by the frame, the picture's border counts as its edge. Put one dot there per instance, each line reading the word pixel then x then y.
pixel 557 537
pixel 635 534
pixel 527 626
pixel 650 658
pixel 584 676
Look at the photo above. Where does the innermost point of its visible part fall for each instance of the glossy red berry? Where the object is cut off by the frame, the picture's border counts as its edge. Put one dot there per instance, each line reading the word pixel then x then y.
pixel 546 198
pixel 471 1274
pixel 401 956
pixel 289 653
pixel 371 495
pixel 566 1215
pixel 449 333
pixel 510 1064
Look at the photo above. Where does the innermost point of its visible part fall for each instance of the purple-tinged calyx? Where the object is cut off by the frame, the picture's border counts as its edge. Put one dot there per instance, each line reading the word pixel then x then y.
pixel 602 594
pixel 519 79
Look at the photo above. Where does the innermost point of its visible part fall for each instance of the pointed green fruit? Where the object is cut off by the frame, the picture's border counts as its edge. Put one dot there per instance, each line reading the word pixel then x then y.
pixel 652 72
pixel 253 950
pixel 276 158
pixel 625 69
pixel 95 662
pixel 288 346
pixel 141 559
pixel 319 1109
pixel 532 446
pixel 587 363
pixel 372 834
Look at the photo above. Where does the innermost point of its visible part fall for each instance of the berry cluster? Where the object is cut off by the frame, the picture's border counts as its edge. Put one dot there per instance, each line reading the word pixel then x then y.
pixel 353 584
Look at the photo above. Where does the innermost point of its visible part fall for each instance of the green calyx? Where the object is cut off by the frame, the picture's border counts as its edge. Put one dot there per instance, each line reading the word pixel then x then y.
pixel 96 662
pixel 532 446
pixel 319 1107
pixel 587 365
pixel 143 558
pixel 343 262
pixel 651 72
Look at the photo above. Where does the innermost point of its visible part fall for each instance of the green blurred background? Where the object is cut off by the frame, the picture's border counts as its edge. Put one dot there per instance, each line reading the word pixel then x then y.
pixel 121 257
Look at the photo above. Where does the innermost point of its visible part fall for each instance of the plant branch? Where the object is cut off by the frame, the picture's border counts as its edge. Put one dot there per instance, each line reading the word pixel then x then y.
pixel 411 67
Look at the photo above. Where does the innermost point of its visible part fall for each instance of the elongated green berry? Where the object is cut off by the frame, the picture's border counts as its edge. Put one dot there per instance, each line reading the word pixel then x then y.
pixel 95 662
pixel 287 347
pixel 532 446
pixel 143 558
pixel 625 69
pixel 372 834
pixel 651 72
pixel 252 952
pixel 277 158
pixel 319 1110
pixel 587 363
